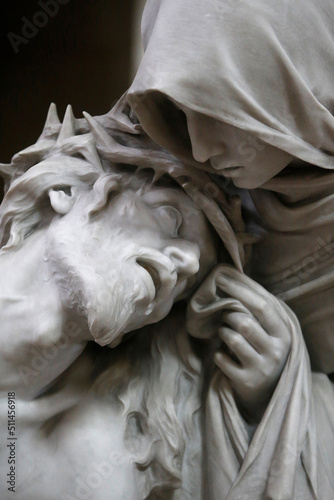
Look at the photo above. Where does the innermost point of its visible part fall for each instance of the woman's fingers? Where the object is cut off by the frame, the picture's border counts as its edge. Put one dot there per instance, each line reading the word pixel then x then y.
pixel 249 328
pixel 239 346
pixel 228 366
pixel 263 306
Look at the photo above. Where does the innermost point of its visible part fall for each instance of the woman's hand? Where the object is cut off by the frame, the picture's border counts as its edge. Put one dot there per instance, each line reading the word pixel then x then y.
pixel 258 343
pixel 254 331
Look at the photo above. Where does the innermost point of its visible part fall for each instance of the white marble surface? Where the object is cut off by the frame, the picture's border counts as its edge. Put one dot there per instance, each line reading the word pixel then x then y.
pixel 138 359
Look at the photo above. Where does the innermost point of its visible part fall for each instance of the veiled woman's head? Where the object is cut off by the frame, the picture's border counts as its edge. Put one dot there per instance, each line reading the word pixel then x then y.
pixel 233 152
pixel 239 84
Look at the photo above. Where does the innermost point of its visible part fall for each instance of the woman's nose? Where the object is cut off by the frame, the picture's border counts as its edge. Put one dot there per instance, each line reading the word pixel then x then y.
pixel 204 142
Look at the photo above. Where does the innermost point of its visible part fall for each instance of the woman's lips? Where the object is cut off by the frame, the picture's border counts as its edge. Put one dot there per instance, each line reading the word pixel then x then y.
pixel 221 165
pixel 231 171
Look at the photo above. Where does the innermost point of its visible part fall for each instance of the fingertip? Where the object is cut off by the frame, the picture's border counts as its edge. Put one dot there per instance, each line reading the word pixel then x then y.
pixel 218 358
pixel 221 332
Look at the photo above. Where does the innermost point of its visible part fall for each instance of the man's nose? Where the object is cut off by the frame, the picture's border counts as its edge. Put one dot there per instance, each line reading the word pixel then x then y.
pixel 185 258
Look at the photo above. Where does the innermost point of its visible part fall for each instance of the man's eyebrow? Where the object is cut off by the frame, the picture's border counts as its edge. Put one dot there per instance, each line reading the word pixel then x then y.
pixel 183 204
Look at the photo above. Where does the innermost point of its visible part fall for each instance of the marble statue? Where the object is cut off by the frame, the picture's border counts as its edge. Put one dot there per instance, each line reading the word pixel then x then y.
pixel 102 231
pixel 90 251
pixel 99 237
pixel 230 88
pixel 167 272
pixel 243 101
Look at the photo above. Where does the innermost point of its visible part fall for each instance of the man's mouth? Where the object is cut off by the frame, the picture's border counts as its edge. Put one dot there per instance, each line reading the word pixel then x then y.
pixel 163 275
pixel 154 274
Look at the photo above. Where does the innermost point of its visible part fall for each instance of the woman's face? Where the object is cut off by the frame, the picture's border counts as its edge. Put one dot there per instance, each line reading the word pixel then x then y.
pixel 234 153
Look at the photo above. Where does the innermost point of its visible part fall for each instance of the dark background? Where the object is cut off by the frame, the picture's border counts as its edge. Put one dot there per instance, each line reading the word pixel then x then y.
pixel 80 57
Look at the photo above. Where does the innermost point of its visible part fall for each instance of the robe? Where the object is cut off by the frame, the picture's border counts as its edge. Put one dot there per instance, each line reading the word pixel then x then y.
pixel 291 454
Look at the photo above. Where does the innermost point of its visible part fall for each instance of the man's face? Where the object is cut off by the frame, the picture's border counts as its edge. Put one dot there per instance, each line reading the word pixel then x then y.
pixel 128 264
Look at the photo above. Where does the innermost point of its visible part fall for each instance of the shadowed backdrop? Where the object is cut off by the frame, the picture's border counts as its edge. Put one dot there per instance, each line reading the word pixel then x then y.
pixel 66 51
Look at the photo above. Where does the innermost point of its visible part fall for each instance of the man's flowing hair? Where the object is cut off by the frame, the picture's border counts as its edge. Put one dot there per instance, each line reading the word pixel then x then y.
pixel 156 379
pixel 102 154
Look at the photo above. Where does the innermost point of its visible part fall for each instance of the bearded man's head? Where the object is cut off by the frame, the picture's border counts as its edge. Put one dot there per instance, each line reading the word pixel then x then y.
pixel 129 228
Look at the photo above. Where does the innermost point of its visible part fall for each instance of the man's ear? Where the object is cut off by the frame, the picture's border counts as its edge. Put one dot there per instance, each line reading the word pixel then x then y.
pixel 61 202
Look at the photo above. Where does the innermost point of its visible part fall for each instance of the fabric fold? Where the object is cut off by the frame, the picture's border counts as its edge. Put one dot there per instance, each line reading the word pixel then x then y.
pixel 285 458
pixel 242 63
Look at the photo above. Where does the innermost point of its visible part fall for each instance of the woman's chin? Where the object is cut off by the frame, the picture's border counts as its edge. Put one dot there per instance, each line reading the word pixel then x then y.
pixel 248 183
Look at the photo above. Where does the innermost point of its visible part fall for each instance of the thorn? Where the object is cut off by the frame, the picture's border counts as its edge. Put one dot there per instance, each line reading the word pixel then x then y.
pixel 52 118
pixel 101 136
pixel 68 127
pixel 157 176
pixel 52 122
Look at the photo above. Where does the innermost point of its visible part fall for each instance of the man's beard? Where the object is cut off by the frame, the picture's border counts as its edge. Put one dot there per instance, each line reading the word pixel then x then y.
pixel 110 303
pixel 107 301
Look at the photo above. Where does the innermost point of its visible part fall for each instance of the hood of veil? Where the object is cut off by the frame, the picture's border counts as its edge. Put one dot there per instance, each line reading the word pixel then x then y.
pixel 266 67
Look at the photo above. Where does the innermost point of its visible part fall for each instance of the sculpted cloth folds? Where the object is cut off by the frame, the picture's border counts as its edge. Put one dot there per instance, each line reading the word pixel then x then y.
pixel 266 67
pixel 291 452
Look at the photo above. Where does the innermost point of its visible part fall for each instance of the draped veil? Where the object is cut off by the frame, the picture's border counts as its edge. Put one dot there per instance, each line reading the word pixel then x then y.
pixel 266 67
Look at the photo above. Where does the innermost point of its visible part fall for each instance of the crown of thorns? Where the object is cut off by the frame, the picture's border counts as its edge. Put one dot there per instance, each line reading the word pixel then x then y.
pixel 117 138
